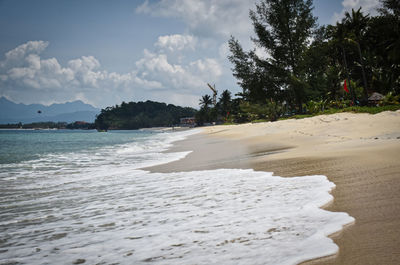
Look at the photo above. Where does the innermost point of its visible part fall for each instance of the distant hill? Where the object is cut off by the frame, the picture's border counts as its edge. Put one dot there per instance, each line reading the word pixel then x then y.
pixel 136 115
pixel 11 112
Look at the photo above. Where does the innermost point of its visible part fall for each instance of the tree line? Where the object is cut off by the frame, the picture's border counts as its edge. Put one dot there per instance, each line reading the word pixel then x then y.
pixel 136 115
pixel 77 125
pixel 305 67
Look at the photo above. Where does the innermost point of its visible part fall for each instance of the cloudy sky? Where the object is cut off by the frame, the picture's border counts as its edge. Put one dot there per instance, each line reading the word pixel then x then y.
pixel 104 52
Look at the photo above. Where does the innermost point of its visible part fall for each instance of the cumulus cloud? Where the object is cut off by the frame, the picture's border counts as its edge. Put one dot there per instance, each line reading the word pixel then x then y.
pixel 175 69
pixel 368 7
pixel 23 67
pixel 156 66
pixel 207 68
pixel 157 63
pixel 26 76
pixel 211 23
pixel 176 42
pixel 209 18
pixel 13 57
pixel 23 73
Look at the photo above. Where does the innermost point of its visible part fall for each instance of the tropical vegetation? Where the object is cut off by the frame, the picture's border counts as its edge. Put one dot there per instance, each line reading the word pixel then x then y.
pixel 309 69
pixel 78 125
pixel 135 115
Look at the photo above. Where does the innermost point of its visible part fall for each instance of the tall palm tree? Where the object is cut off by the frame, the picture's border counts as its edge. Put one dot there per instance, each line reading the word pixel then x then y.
pixel 225 101
pixel 339 34
pixel 205 101
pixel 356 24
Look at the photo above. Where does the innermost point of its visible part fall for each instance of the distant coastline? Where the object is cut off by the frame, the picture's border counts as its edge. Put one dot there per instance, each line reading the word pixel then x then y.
pixel 81 125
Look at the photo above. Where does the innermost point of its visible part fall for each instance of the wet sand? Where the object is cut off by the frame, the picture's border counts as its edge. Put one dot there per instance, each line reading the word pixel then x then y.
pixel 360 153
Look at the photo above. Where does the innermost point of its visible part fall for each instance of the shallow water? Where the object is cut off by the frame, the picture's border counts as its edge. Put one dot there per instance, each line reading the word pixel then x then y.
pixel 93 205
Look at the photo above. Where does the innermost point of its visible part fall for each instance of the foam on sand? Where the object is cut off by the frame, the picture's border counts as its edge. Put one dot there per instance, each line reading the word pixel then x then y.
pixel 100 208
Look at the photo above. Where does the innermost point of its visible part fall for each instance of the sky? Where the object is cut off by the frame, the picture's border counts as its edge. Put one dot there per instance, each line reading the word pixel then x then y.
pixel 104 52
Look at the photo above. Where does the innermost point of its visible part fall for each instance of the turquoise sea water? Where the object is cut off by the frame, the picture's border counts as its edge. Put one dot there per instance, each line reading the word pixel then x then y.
pixel 20 145
pixel 81 197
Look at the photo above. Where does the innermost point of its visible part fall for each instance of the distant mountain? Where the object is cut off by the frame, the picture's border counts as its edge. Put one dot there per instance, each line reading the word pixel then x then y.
pixel 11 112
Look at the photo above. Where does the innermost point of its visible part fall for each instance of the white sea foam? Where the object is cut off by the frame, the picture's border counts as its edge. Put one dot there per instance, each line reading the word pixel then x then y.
pixel 101 208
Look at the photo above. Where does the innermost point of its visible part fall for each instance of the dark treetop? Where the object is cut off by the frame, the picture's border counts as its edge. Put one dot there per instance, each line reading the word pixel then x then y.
pixel 136 115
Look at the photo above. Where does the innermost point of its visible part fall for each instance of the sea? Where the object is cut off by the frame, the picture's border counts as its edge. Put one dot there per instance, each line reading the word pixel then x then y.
pixel 81 197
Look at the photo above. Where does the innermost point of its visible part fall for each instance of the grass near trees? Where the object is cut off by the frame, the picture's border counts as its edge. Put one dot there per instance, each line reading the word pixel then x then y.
pixel 311 70
pixel 354 109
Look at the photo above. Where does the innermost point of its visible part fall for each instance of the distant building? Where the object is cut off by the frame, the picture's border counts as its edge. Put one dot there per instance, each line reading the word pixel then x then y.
pixel 375 98
pixel 188 122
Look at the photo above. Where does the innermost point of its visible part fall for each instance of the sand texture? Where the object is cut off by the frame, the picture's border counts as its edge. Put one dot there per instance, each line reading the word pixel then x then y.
pixel 360 153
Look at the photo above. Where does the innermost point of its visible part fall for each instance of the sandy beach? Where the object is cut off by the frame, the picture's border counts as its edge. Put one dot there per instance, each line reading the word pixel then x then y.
pixel 358 152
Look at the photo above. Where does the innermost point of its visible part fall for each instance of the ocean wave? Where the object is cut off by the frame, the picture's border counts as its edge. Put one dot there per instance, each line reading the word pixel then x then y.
pixel 99 207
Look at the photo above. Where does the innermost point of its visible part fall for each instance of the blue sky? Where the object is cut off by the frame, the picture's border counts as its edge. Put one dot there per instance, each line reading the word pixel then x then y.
pixel 104 52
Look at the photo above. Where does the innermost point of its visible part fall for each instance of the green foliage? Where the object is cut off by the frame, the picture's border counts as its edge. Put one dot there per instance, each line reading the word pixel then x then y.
pixel 339 104
pixel 313 107
pixel 225 103
pixel 80 126
pixel 274 110
pixel 205 101
pixel 306 67
pixel 269 111
pixel 224 111
pixel 50 125
pixel 11 126
pixel 354 109
pixel 282 29
pixel 390 99
pixel 260 121
pixel 229 123
pixel 390 7
pixel 364 109
pixel 297 117
pixel 132 115
pixel 361 48
pixel 206 115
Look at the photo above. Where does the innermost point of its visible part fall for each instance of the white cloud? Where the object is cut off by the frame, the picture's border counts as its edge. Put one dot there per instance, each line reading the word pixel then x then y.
pixel 368 7
pixel 84 64
pixel 157 63
pixel 176 69
pixel 211 23
pixel 207 68
pixel 207 18
pixel 176 42
pixel 22 51
pixel 32 79
pixel 223 50
pixel 25 75
pixel 38 74
pixel 177 77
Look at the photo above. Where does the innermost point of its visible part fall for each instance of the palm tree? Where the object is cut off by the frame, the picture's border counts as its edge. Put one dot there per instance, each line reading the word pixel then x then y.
pixel 339 33
pixel 205 101
pixel 387 28
pixel 225 102
pixel 357 25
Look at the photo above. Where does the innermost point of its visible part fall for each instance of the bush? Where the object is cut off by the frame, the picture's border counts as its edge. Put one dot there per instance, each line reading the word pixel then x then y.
pixel 271 111
pixel 390 99
pixel 313 107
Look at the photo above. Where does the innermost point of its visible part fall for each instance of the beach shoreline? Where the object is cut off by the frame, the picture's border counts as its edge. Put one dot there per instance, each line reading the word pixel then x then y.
pixel 357 152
